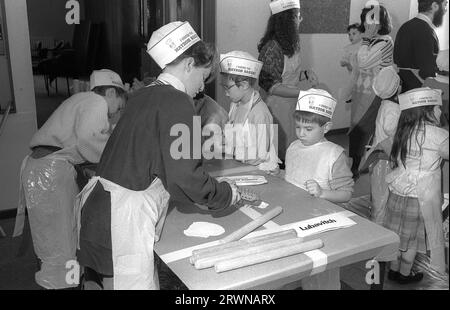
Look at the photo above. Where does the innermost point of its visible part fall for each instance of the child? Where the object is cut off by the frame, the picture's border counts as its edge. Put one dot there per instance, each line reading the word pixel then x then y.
pixel 75 133
pixel 413 209
pixel 250 121
pixel 350 51
pixel 313 163
pixel 386 85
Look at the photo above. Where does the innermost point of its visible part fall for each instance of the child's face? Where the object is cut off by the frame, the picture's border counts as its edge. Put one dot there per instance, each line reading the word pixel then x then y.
pixel 354 36
pixel 309 133
pixel 232 90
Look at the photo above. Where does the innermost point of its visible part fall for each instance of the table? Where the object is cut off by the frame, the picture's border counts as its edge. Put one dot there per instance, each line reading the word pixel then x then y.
pixel 363 241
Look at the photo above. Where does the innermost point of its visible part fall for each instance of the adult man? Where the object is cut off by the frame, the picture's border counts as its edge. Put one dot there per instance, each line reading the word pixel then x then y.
pixel 417 46
pixel 75 133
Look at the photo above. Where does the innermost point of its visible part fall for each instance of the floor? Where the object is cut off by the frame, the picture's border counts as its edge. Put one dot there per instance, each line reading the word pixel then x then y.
pixel 18 263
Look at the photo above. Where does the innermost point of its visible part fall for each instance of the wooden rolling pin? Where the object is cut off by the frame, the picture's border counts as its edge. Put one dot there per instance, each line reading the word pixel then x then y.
pixel 248 260
pixel 210 261
pixel 243 243
pixel 241 232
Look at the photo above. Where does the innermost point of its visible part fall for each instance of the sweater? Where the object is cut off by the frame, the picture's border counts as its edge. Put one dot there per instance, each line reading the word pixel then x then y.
pixel 416 47
pixel 139 151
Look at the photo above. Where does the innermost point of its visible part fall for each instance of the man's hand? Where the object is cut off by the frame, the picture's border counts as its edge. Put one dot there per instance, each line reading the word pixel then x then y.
pixel 313 188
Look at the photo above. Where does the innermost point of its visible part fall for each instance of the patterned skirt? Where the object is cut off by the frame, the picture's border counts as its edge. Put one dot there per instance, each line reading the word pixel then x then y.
pixel 403 216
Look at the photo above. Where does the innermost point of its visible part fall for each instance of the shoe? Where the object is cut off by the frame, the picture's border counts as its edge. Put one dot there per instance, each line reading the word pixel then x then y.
pixel 393 275
pixel 411 278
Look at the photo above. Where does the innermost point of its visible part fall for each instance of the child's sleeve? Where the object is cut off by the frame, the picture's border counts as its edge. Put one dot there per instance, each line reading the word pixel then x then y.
pixel 342 177
pixel 390 118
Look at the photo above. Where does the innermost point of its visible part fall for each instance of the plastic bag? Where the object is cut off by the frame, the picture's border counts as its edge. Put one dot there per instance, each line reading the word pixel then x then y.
pixel 50 189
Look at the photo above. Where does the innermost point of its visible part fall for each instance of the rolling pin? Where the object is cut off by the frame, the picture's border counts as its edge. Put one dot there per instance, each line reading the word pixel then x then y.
pixel 238 234
pixel 210 261
pixel 243 243
pixel 252 259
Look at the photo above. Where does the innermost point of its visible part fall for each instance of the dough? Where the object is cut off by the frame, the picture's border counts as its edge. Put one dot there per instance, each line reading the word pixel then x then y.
pixel 204 230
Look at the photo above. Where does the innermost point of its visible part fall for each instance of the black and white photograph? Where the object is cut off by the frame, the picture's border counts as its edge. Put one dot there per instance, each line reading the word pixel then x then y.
pixel 224 152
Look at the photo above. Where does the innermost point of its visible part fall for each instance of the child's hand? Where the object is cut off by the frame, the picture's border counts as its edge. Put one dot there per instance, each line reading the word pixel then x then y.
pixel 313 188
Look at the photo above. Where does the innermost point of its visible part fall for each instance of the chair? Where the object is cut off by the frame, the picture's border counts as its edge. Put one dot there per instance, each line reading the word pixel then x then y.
pixel 74 61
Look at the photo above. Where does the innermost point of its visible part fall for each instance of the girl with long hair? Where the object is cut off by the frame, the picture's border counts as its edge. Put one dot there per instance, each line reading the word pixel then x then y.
pixel 413 209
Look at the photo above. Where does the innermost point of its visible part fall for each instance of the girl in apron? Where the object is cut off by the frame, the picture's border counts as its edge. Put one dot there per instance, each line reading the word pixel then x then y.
pixel 250 121
pixel 122 210
pixel 281 76
pixel 414 206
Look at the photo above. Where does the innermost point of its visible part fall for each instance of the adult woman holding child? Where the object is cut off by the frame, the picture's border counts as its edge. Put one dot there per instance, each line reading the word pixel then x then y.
pixel 375 53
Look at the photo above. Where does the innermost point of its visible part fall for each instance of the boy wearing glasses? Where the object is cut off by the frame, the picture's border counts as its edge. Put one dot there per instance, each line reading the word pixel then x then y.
pixel 249 135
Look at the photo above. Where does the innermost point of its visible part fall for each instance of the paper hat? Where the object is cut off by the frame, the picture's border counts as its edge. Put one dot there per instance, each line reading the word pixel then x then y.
pixel 240 63
pixel 105 77
pixel 170 41
pixel 371 3
pixel 386 83
pixel 442 60
pixel 279 6
pixel 420 97
pixel 316 101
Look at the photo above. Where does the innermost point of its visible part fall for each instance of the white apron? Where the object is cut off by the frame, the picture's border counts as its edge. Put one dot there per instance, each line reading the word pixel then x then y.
pixel 48 189
pixel 137 219
pixel 428 186
pixel 315 162
pixel 283 109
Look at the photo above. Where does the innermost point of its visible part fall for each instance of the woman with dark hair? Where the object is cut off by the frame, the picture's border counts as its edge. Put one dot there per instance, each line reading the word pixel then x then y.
pixel 281 75
pixel 375 53
pixel 125 205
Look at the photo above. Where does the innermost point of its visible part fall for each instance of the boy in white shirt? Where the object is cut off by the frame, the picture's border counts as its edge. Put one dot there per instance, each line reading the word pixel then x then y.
pixel 312 162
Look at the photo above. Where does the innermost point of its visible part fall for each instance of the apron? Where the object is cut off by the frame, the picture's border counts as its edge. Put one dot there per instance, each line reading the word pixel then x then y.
pixel 283 109
pixel 48 189
pixel 243 148
pixel 252 137
pixel 379 167
pixel 428 186
pixel 137 219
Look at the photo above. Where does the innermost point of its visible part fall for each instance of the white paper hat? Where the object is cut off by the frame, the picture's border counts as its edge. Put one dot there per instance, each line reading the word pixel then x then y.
pixel 240 63
pixel 442 60
pixel 105 77
pixel 371 3
pixel 316 101
pixel 279 6
pixel 170 41
pixel 420 97
pixel 386 83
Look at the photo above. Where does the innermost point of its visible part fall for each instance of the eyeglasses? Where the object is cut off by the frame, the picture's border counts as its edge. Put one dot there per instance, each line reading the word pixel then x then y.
pixel 227 88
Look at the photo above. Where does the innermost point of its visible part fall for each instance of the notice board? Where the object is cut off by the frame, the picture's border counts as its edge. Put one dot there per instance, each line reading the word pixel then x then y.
pixel 325 16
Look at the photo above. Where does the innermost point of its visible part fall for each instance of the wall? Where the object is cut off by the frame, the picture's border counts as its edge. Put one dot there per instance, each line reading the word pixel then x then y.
pixel 241 24
pixel 47 18
pixel 22 125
